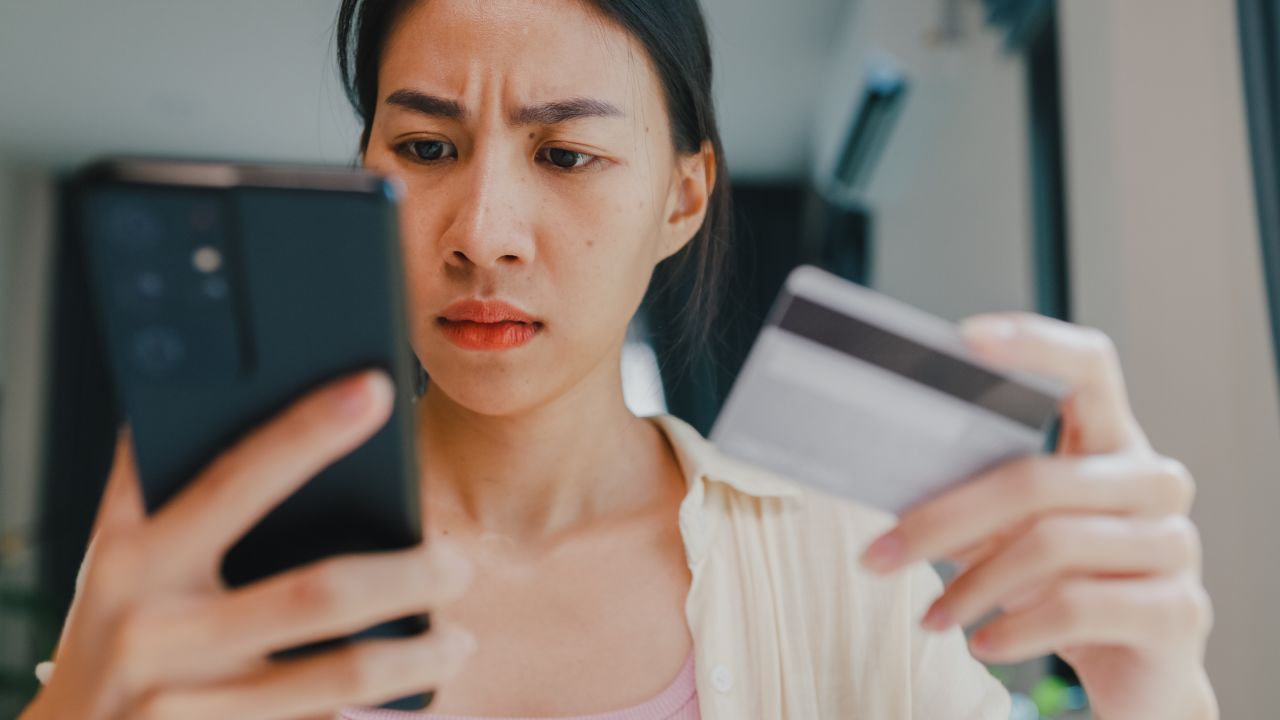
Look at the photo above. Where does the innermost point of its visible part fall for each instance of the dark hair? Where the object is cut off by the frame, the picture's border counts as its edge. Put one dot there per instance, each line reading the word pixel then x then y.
pixel 675 35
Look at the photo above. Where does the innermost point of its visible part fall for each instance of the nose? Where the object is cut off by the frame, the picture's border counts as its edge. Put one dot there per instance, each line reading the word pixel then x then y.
pixel 490 227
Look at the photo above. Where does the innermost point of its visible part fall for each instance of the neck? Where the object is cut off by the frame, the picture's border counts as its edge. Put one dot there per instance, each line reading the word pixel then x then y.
pixel 529 476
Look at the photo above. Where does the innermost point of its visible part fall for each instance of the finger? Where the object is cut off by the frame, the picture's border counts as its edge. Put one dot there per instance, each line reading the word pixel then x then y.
pixel 1153 615
pixel 246 482
pixel 1085 358
pixel 122 505
pixel 369 672
pixel 1067 545
pixel 330 598
pixel 1020 489
pixel 985 548
pixel 120 511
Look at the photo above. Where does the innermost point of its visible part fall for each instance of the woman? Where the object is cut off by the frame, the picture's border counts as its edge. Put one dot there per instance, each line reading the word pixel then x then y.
pixel 553 155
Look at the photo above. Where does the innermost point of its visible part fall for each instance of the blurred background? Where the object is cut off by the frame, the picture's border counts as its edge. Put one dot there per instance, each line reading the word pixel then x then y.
pixel 1115 164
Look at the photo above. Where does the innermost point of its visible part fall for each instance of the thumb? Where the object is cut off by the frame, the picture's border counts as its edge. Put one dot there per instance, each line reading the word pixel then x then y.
pixel 122 505
pixel 1096 410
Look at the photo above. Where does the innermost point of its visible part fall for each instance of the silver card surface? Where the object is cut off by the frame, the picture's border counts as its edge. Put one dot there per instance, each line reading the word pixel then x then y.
pixel 863 396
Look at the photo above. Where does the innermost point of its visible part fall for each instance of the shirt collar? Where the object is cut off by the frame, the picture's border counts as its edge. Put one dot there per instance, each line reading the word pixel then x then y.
pixel 699 460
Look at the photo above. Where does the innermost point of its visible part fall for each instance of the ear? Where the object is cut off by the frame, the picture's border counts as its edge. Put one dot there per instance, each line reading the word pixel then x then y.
pixel 693 180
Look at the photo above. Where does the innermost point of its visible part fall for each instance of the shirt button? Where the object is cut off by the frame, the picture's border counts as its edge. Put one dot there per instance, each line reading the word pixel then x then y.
pixel 722 678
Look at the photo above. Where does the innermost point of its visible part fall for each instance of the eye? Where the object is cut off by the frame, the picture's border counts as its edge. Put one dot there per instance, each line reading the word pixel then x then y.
pixel 568 159
pixel 427 150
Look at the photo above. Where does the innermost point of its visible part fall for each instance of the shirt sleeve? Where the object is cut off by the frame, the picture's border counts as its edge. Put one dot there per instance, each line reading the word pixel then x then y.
pixel 947 681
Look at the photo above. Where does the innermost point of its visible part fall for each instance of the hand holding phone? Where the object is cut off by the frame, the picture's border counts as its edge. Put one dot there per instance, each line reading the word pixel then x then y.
pixel 224 293
pixel 155 633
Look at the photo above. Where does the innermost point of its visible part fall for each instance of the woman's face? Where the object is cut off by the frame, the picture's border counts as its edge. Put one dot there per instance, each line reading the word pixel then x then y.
pixel 533 142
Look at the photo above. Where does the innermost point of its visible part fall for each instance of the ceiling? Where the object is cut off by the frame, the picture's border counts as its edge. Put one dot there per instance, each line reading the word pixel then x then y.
pixel 255 79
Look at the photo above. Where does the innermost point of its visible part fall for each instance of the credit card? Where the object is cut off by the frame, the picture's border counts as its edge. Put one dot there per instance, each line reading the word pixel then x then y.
pixel 864 396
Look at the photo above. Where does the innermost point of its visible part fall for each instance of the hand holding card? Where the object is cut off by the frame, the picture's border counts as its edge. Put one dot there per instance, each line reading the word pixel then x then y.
pixel 1087 553
pixel 863 396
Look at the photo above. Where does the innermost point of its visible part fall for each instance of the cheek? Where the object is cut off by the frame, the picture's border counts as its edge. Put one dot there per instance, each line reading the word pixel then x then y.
pixel 423 267
pixel 606 253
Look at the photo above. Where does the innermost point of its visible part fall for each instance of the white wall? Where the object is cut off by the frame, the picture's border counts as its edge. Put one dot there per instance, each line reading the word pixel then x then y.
pixel 769 57
pixel 950 195
pixel 239 78
pixel 1166 259
pixel 256 79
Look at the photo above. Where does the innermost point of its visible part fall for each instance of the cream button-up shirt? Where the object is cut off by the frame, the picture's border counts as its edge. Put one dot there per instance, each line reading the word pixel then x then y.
pixel 785 622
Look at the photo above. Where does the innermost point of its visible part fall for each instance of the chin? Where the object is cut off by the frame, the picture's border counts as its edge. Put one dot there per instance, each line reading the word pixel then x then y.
pixel 489 387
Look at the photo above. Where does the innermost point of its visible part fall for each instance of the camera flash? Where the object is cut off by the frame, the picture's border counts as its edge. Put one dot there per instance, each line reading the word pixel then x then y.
pixel 207 259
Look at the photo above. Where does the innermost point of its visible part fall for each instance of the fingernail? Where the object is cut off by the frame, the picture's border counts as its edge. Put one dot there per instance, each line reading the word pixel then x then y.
pixel 987 327
pixel 980 643
pixel 883 554
pixel 936 619
pixel 357 395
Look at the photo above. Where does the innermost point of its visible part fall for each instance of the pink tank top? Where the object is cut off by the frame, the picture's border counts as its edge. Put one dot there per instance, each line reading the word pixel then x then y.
pixel 679 701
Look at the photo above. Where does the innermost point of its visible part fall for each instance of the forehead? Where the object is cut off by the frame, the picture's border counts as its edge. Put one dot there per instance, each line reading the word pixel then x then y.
pixel 532 50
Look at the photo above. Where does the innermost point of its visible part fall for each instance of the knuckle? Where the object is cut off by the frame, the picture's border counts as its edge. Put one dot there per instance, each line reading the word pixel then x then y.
pixel 425 588
pixel 1045 541
pixel 446 575
pixel 365 670
pixel 1184 537
pixel 1068 607
pixel 1023 483
pixel 1190 608
pixel 440 651
pixel 1180 609
pixel 1203 607
pixel 1099 345
pixel 320 590
pixel 1185 611
pixel 1175 476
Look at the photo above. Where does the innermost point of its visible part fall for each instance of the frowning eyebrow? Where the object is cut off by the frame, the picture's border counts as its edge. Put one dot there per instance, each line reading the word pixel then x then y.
pixel 563 111
pixel 425 104
pixel 549 113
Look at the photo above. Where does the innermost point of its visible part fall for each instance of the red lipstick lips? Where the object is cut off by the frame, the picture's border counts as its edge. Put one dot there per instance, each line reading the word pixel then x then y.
pixel 487 325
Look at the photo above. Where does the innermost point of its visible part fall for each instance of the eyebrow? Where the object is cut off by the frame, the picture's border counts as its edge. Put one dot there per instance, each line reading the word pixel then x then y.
pixel 559 111
pixel 549 113
pixel 427 104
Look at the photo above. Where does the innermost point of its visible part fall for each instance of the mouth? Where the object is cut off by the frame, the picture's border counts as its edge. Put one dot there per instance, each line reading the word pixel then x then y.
pixel 487 325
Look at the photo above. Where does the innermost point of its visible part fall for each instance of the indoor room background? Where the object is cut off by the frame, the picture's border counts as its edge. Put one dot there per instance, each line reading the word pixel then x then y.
pixel 1108 163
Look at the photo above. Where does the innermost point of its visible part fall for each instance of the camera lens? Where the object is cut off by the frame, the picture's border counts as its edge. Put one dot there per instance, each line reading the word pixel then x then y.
pixel 134 228
pixel 158 350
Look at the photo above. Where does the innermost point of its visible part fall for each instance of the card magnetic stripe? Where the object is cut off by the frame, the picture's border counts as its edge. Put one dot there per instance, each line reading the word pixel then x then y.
pixel 928 366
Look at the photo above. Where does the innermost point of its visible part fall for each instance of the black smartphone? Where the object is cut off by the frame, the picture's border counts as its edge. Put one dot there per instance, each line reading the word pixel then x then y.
pixel 225 292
